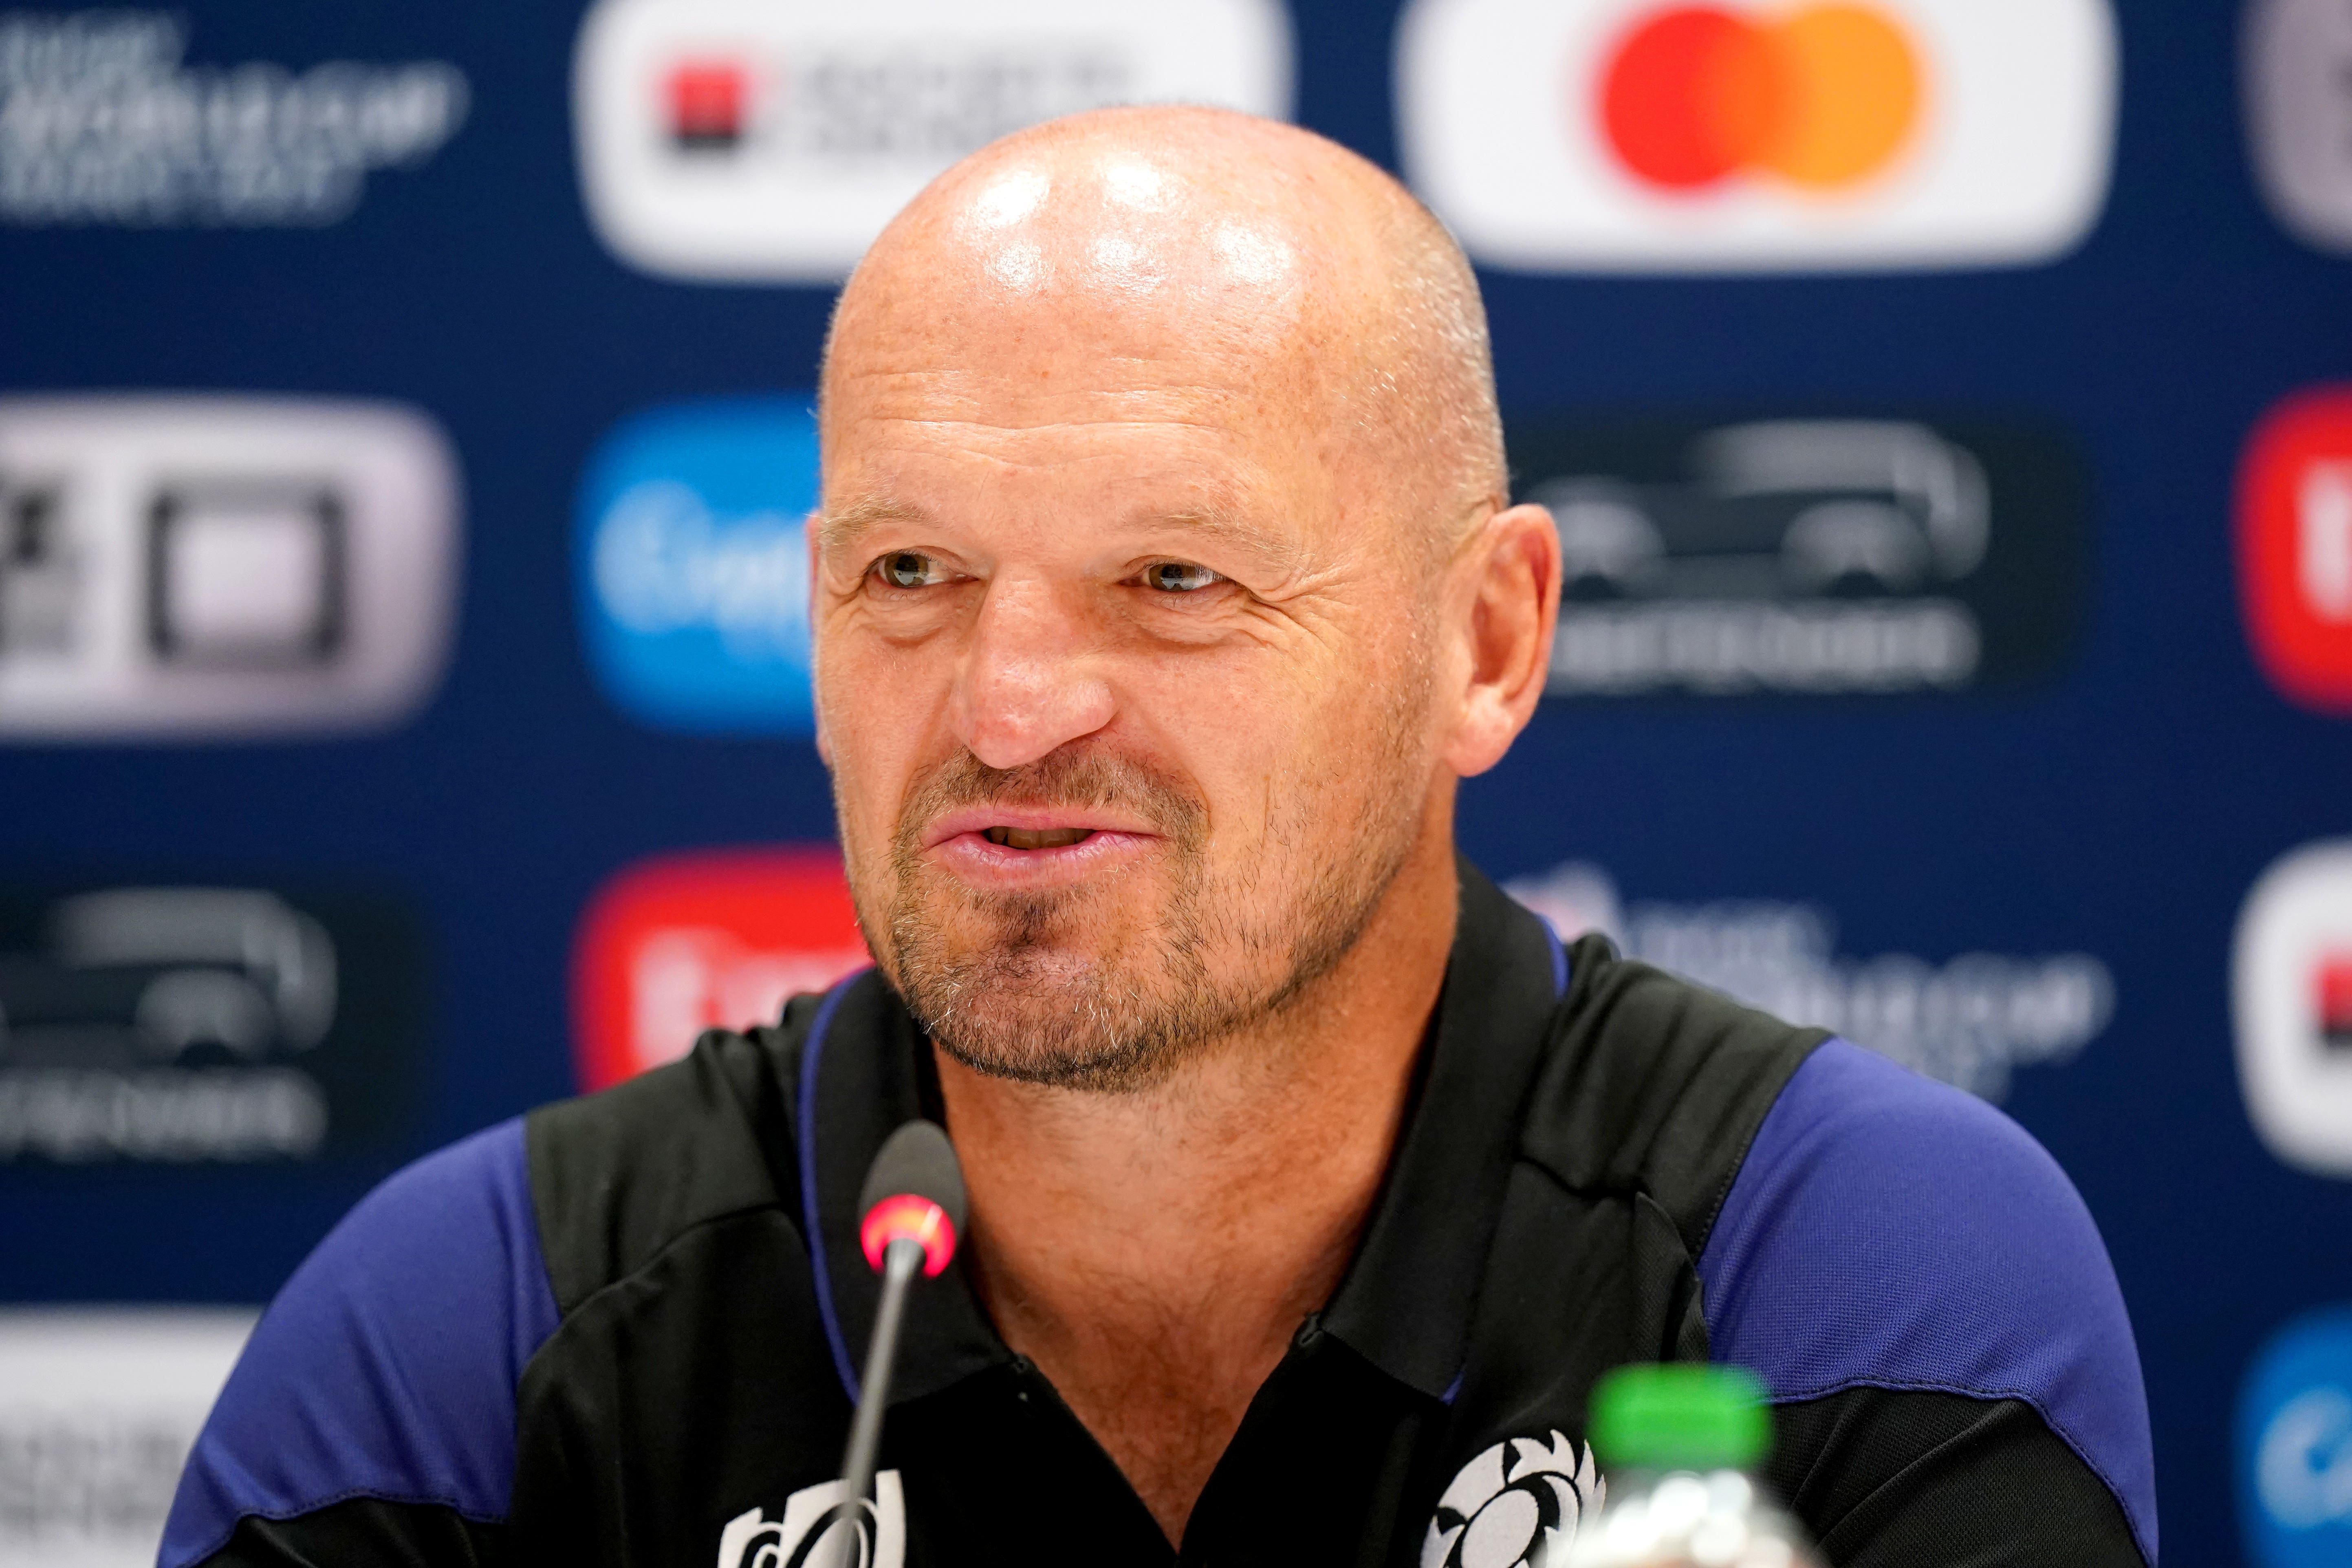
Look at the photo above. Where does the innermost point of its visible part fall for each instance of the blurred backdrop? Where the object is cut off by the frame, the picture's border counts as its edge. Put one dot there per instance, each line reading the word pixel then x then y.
pixel 404 436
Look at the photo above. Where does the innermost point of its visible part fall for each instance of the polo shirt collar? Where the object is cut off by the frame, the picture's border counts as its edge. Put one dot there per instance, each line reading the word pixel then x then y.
pixel 1405 1301
pixel 866 1070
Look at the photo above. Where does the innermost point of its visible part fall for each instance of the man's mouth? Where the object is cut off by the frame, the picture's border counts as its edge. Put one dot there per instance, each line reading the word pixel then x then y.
pixel 1036 837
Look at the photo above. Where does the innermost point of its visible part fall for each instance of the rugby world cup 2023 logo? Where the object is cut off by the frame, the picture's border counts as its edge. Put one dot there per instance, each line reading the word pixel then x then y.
pixel 809 1534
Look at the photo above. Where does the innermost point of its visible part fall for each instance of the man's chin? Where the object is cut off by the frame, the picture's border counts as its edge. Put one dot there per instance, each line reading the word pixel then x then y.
pixel 1012 1050
pixel 1061 1013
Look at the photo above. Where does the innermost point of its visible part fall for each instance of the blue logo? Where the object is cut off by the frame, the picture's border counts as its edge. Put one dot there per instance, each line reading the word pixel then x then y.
pixel 693 565
pixel 2295 1446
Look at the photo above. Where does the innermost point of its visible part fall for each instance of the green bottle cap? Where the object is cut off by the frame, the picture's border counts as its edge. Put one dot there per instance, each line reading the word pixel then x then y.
pixel 1680 1418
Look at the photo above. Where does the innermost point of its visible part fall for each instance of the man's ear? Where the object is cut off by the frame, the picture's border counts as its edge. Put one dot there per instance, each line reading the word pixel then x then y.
pixel 813 526
pixel 1514 565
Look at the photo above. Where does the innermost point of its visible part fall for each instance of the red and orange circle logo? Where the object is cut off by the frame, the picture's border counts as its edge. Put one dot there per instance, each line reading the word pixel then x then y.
pixel 1825 96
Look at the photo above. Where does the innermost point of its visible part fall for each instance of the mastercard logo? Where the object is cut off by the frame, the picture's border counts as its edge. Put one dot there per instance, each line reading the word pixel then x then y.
pixel 1759 135
pixel 1825 97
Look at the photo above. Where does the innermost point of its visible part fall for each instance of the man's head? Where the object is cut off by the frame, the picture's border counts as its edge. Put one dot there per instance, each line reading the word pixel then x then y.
pixel 1165 581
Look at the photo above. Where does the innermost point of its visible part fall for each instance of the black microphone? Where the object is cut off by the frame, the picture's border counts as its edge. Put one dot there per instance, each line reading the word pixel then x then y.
pixel 913 1206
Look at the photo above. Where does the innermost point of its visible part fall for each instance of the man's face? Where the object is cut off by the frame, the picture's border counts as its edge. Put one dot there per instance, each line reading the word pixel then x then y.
pixel 1125 699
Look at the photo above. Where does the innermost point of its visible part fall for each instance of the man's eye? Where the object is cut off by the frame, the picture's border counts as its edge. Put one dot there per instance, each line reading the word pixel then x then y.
pixel 1178 577
pixel 908 569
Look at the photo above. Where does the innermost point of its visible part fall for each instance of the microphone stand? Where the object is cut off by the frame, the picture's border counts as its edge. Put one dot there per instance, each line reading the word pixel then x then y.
pixel 900 1263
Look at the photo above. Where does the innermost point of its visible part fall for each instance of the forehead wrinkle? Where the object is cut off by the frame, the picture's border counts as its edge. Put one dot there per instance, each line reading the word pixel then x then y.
pixel 1230 402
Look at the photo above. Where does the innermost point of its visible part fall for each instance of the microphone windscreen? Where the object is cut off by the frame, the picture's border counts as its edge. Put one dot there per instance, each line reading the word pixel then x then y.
pixel 917 1160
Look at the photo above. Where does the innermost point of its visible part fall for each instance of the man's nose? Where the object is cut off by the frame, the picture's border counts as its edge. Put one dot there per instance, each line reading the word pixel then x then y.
pixel 1031 678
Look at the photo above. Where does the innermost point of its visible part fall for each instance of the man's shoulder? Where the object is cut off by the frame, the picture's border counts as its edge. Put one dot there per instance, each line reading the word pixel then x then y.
pixel 618 1176
pixel 387 1368
pixel 1853 1227
pixel 1887 1228
pixel 1889 1232
pixel 354 1385
pixel 1653 1085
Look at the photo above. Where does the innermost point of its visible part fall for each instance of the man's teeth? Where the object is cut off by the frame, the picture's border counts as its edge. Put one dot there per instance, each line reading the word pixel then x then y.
pixel 1036 837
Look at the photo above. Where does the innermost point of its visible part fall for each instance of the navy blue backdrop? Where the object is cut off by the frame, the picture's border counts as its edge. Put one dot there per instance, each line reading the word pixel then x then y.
pixel 2120 807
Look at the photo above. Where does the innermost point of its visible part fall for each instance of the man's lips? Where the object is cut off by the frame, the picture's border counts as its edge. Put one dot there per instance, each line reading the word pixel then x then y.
pixel 1033 828
pixel 1036 837
pixel 1032 849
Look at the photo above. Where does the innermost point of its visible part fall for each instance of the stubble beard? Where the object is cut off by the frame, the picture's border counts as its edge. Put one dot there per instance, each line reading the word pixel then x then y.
pixel 1070 989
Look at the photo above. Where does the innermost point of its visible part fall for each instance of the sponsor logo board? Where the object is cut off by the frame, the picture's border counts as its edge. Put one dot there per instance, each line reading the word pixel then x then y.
pixel 769 140
pixel 104 122
pixel 1648 135
pixel 99 1407
pixel 692 563
pixel 2291 994
pixel 1969 1021
pixel 2295 70
pixel 2294 547
pixel 206 1025
pixel 191 567
pixel 714 939
pixel 1809 556
pixel 2295 1446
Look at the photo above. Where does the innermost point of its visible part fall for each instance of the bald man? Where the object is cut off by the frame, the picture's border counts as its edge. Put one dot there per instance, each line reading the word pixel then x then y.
pixel 1165 584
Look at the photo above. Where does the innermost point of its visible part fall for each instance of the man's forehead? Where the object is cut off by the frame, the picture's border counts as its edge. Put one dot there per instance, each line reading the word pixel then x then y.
pixel 1108 261
pixel 1039 384
pixel 1133 273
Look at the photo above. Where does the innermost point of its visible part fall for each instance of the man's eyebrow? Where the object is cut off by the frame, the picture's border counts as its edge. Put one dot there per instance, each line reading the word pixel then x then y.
pixel 853 523
pixel 1228 527
pixel 840 530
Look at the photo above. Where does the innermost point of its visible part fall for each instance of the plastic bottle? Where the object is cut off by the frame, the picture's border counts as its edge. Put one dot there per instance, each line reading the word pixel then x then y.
pixel 1679 1445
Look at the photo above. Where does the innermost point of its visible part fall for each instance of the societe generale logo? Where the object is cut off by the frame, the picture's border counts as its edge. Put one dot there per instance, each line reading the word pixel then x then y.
pixel 711 938
pixel 769 140
pixel 1650 135
pixel 2291 990
pixel 206 566
pixel 2294 547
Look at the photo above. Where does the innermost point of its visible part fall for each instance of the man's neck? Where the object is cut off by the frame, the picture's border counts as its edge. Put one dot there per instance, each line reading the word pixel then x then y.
pixel 1154 1252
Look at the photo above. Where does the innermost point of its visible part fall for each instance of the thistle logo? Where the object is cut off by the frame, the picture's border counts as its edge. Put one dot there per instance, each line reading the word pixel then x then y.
pixel 1612 135
pixel 1825 98
pixel 2294 547
pixel 2291 984
pixel 715 939
pixel 1518 1503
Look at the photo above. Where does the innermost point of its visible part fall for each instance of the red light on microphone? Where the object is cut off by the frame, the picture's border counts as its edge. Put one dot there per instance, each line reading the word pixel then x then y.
pixel 912 1218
